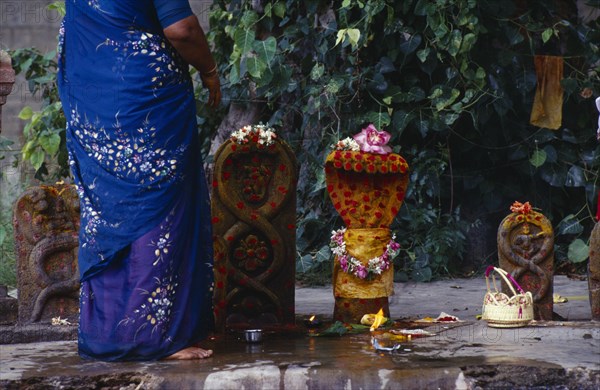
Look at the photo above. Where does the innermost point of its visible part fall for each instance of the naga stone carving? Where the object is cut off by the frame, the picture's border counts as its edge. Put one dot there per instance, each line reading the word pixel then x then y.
pixel 367 190
pixel 254 216
pixel 526 251
pixel 7 79
pixel 594 272
pixel 46 224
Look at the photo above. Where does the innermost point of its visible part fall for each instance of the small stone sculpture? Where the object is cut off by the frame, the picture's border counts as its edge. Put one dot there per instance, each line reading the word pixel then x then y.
pixel 46 224
pixel 526 251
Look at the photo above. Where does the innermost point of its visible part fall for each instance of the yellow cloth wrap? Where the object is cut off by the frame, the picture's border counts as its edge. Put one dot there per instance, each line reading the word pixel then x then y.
pixel 364 244
pixel 548 100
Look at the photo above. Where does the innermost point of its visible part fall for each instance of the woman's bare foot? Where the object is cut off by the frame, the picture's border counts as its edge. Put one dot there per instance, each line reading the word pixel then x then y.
pixel 191 353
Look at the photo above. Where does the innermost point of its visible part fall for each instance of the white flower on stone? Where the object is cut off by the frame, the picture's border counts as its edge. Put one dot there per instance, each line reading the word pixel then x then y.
pixel 347 143
pixel 260 134
pixel 60 321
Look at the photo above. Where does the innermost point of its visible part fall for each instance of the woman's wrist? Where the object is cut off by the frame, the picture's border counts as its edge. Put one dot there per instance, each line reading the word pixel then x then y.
pixel 211 72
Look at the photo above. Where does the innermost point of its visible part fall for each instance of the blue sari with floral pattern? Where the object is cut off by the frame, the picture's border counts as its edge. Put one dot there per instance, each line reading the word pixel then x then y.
pixel 145 250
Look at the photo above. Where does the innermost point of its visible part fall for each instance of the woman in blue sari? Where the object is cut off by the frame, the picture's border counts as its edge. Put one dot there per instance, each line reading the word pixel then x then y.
pixel 145 250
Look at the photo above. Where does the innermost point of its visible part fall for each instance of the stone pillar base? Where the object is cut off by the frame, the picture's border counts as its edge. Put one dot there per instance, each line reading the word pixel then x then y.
pixel 351 310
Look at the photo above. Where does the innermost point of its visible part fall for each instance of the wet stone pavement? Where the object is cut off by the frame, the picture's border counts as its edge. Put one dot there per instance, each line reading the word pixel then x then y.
pixel 466 355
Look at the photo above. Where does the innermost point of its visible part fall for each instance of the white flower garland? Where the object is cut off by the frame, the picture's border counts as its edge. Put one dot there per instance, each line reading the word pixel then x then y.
pixel 261 134
pixel 347 143
pixel 352 265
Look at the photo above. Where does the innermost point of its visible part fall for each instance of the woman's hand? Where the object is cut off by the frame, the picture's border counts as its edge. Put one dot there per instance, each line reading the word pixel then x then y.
pixel 212 82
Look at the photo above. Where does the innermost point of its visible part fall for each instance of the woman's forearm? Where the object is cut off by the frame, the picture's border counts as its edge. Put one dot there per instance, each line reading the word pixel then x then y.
pixel 189 40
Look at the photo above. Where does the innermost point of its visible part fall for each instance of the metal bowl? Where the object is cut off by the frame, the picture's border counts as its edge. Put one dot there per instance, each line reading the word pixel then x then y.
pixel 253 335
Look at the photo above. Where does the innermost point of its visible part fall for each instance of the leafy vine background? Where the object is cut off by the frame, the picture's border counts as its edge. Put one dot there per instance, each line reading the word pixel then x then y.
pixel 453 81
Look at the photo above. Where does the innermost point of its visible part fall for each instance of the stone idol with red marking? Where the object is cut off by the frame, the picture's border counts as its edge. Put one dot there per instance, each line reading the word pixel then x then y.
pixel 526 251
pixel 46 224
pixel 366 183
pixel 253 217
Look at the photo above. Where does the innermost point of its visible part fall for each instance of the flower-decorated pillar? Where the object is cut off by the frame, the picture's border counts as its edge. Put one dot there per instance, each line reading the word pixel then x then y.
pixel 366 183
pixel 526 251
pixel 254 216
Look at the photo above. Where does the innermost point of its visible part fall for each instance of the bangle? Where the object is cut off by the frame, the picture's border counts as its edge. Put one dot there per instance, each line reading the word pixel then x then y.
pixel 210 72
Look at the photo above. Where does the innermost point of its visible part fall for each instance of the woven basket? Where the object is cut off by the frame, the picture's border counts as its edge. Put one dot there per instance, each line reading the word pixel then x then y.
pixel 502 311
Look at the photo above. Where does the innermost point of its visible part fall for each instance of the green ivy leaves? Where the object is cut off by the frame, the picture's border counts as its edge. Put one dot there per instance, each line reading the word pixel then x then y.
pixel 43 132
pixel 451 80
pixel 243 39
pixel 260 59
pixel 348 35
pixel 538 158
pixel 578 251
pixel 251 56
pixel 44 129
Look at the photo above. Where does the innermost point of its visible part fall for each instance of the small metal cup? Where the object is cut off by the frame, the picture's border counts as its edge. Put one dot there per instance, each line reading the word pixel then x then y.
pixel 253 335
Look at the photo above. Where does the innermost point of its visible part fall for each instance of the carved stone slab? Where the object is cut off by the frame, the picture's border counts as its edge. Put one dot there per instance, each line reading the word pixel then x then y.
pixel 526 251
pixel 254 216
pixel 46 224
pixel 594 272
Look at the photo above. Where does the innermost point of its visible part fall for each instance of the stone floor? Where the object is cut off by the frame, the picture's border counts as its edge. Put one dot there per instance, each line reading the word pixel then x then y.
pixel 555 354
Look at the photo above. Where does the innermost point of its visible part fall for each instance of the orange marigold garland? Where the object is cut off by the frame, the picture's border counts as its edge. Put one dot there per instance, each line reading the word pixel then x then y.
pixel 521 208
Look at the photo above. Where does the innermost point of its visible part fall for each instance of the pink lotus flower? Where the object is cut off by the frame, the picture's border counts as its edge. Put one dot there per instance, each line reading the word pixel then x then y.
pixel 373 141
